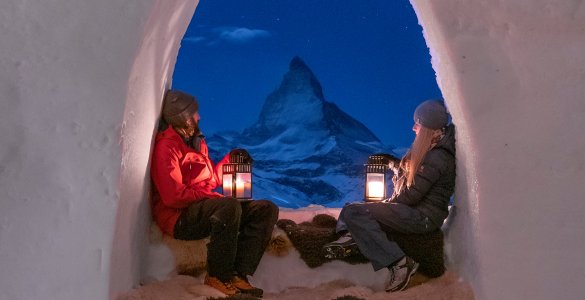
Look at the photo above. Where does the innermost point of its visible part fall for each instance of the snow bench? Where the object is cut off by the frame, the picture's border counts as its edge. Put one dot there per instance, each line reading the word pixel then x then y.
pixel 296 242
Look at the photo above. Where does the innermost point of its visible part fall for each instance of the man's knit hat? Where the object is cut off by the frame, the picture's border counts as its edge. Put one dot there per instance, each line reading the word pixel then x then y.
pixel 178 107
pixel 432 114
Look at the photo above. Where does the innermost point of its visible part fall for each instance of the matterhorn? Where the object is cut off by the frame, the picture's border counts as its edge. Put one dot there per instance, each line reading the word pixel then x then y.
pixel 305 149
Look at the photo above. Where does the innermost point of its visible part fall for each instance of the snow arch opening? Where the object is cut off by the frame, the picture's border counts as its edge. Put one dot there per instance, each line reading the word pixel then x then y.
pixel 153 68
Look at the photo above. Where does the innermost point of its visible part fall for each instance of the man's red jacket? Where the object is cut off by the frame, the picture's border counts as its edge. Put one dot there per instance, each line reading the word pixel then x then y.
pixel 181 176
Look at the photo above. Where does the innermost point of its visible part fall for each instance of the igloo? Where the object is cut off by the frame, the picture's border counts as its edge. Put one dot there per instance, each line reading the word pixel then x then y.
pixel 82 84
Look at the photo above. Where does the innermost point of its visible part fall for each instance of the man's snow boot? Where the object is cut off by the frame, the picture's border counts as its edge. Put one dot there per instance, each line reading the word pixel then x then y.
pixel 242 284
pixel 225 287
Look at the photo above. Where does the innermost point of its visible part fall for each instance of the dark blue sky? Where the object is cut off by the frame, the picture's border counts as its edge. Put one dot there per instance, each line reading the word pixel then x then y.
pixel 369 55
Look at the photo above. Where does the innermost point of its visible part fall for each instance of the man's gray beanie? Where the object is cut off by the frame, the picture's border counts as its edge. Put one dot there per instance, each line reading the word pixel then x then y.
pixel 432 114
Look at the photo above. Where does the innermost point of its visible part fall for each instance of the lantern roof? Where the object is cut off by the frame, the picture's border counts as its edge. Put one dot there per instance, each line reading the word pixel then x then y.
pixel 240 156
pixel 381 159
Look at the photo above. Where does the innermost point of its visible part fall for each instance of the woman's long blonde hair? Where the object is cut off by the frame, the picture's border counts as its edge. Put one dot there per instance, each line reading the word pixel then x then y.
pixel 423 142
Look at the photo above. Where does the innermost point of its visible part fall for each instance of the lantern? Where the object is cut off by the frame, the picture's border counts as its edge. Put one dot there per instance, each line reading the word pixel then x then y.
pixel 376 170
pixel 237 176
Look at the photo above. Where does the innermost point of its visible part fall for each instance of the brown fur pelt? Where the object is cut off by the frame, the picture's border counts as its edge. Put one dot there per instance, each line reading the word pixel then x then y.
pixel 279 244
pixel 310 237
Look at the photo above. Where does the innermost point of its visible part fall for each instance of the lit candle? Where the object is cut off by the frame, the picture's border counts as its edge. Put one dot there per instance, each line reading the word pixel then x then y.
pixel 376 189
pixel 240 188
pixel 227 185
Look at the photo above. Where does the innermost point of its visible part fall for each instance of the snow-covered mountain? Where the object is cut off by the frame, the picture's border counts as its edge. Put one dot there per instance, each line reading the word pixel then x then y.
pixel 306 150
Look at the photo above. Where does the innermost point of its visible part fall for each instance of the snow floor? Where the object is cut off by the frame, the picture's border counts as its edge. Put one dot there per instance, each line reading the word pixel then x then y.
pixel 446 287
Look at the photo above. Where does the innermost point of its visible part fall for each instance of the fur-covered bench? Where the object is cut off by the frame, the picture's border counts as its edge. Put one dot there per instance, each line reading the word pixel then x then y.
pixel 191 256
pixel 308 239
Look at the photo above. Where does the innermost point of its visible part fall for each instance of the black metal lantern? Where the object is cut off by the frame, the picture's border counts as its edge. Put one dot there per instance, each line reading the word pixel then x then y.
pixel 376 175
pixel 237 176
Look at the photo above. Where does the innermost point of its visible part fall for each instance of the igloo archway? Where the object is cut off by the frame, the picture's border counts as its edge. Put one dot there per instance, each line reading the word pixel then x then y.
pixel 82 83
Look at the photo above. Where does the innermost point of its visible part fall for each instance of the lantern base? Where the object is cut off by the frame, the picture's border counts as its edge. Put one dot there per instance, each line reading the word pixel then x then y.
pixel 373 200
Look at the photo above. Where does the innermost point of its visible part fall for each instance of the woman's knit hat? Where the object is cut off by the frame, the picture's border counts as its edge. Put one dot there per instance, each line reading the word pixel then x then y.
pixel 178 107
pixel 432 114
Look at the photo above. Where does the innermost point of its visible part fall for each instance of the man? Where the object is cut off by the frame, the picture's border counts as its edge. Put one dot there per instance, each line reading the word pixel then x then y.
pixel 186 207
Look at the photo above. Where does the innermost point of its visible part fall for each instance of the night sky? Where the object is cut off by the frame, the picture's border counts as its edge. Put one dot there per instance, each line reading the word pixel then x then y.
pixel 369 55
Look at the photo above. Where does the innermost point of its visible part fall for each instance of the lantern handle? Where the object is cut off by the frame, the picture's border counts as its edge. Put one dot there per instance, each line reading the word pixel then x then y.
pixel 386 159
pixel 383 158
pixel 239 155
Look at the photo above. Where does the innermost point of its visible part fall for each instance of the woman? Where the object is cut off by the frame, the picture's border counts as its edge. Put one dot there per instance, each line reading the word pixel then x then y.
pixel 424 181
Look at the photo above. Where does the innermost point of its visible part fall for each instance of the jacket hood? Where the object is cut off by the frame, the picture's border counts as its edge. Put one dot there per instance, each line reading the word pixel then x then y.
pixel 448 141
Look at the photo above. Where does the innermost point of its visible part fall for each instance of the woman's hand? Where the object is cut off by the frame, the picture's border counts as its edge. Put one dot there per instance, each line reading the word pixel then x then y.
pixel 392 161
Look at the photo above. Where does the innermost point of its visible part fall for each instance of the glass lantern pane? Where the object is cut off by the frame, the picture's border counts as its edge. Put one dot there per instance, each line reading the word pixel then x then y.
pixel 227 185
pixel 375 185
pixel 244 185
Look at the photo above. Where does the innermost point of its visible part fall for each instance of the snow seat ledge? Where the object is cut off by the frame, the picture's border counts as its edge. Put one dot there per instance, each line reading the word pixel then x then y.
pixel 191 256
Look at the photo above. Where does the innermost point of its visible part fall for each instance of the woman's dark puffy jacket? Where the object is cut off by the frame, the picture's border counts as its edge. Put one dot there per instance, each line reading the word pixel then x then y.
pixel 434 181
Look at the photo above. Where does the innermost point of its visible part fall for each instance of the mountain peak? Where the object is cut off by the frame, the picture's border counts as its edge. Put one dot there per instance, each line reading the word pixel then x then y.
pixel 297 63
pixel 298 100
pixel 300 78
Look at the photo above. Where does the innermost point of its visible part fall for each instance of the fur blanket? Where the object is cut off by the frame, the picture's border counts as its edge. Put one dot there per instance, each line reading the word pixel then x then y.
pixel 310 237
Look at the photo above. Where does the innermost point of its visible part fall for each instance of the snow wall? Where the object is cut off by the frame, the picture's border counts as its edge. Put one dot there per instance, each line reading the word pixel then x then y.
pixel 81 84
pixel 513 75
